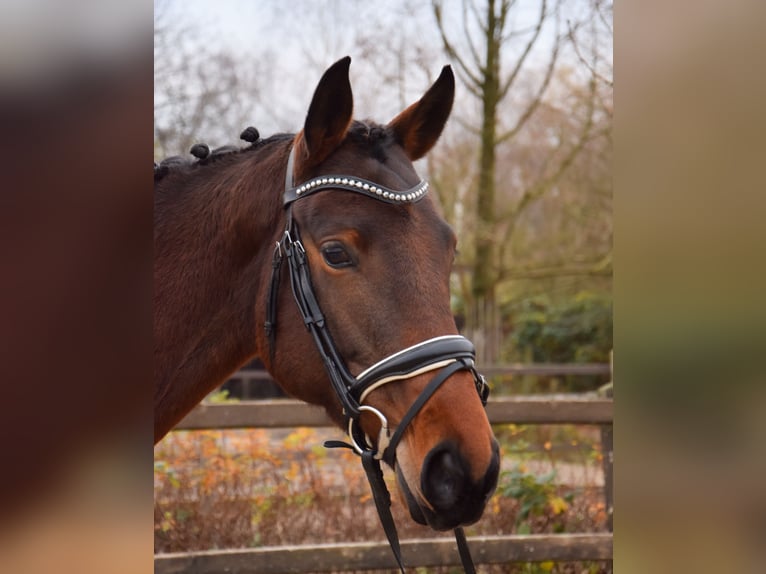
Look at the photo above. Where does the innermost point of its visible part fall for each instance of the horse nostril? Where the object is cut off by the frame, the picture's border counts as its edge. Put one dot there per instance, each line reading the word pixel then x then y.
pixel 450 497
pixel 443 478
pixel 493 472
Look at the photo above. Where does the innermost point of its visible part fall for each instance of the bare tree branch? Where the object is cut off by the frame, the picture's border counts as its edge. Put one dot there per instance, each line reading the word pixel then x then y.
pixel 527 49
pixel 545 184
pixel 601 267
pixel 535 102
pixel 200 94
pixel 590 66
pixel 466 125
pixel 597 4
pixel 473 83
pixel 469 40
pixel 490 230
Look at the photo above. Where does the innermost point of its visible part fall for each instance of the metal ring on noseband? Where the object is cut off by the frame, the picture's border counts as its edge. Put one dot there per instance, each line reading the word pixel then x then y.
pixel 383 436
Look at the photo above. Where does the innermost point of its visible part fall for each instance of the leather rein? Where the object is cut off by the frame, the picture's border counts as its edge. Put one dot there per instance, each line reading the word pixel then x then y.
pixel 445 354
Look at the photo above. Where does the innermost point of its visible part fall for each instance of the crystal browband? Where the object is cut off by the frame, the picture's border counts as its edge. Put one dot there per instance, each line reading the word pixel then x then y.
pixel 358 185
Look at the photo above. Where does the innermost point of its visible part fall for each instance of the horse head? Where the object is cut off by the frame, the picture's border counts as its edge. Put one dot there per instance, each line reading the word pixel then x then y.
pixel 378 261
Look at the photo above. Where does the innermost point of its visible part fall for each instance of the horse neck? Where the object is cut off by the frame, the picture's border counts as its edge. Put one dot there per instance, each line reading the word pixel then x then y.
pixel 213 238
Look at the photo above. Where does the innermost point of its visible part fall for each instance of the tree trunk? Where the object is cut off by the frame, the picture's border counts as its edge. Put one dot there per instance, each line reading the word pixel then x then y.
pixel 483 286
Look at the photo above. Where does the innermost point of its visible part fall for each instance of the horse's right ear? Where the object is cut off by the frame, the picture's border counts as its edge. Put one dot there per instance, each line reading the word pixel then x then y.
pixel 329 115
pixel 418 127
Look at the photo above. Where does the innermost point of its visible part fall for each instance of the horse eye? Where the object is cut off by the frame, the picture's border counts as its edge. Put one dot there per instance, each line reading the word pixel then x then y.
pixel 336 256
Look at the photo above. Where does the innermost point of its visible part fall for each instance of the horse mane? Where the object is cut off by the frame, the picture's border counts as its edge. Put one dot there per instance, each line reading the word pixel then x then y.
pixel 203 155
pixel 366 134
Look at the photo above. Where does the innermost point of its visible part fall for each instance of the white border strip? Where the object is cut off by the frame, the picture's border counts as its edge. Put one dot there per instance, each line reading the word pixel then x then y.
pixel 391 357
pixel 416 372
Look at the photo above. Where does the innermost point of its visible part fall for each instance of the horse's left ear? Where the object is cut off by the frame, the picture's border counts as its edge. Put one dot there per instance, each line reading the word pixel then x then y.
pixel 418 127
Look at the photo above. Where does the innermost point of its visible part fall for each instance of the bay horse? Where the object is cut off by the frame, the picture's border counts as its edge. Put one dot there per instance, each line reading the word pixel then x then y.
pixel 365 329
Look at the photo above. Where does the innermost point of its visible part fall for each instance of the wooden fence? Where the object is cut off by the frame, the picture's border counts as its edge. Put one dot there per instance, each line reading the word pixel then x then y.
pixel 254 383
pixel 377 555
pixel 279 413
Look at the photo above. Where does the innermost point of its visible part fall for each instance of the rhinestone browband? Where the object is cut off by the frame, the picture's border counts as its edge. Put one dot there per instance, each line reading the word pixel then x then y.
pixel 357 185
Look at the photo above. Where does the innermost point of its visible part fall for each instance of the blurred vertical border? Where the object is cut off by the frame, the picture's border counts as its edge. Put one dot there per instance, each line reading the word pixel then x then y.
pixel 690 279
pixel 75 288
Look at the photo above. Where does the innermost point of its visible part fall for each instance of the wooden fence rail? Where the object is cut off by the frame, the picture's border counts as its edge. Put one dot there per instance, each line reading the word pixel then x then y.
pixel 250 383
pixel 377 555
pixel 533 369
pixel 279 413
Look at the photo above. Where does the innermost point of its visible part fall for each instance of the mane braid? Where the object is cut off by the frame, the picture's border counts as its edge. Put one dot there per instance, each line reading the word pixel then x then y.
pixel 201 158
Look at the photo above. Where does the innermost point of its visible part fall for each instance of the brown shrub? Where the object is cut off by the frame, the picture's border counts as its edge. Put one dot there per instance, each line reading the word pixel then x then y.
pixel 249 488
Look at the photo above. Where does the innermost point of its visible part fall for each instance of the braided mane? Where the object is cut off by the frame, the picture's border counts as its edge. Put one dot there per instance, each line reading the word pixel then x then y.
pixel 203 155
pixel 369 134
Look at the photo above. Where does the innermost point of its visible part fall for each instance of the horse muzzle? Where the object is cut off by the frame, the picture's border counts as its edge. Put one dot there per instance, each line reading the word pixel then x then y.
pixel 452 490
pixel 448 497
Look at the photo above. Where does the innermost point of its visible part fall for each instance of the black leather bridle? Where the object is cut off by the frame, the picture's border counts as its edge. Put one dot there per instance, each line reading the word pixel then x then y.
pixel 446 354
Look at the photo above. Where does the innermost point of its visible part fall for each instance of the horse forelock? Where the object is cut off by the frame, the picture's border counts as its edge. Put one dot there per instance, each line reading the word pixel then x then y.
pixel 373 137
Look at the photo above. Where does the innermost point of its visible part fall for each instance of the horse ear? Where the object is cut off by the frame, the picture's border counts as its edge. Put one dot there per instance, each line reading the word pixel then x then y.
pixel 419 126
pixel 329 114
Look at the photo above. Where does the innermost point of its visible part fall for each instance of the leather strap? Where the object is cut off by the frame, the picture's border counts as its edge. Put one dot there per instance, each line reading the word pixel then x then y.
pixel 382 500
pixel 389 455
pixel 303 293
pixel 464 551
pixel 374 473
pixel 272 302
pixel 415 358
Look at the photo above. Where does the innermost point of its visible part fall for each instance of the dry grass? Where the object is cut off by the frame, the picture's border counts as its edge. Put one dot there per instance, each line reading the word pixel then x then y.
pixel 248 488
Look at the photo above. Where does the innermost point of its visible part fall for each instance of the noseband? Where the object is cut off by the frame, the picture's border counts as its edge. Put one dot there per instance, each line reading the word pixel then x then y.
pixel 444 355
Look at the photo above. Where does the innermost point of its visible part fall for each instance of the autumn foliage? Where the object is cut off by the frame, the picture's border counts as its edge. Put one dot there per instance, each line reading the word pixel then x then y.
pixel 250 488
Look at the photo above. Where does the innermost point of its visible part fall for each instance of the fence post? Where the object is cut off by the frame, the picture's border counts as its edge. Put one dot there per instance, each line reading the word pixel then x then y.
pixel 608 455
pixel 607 452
